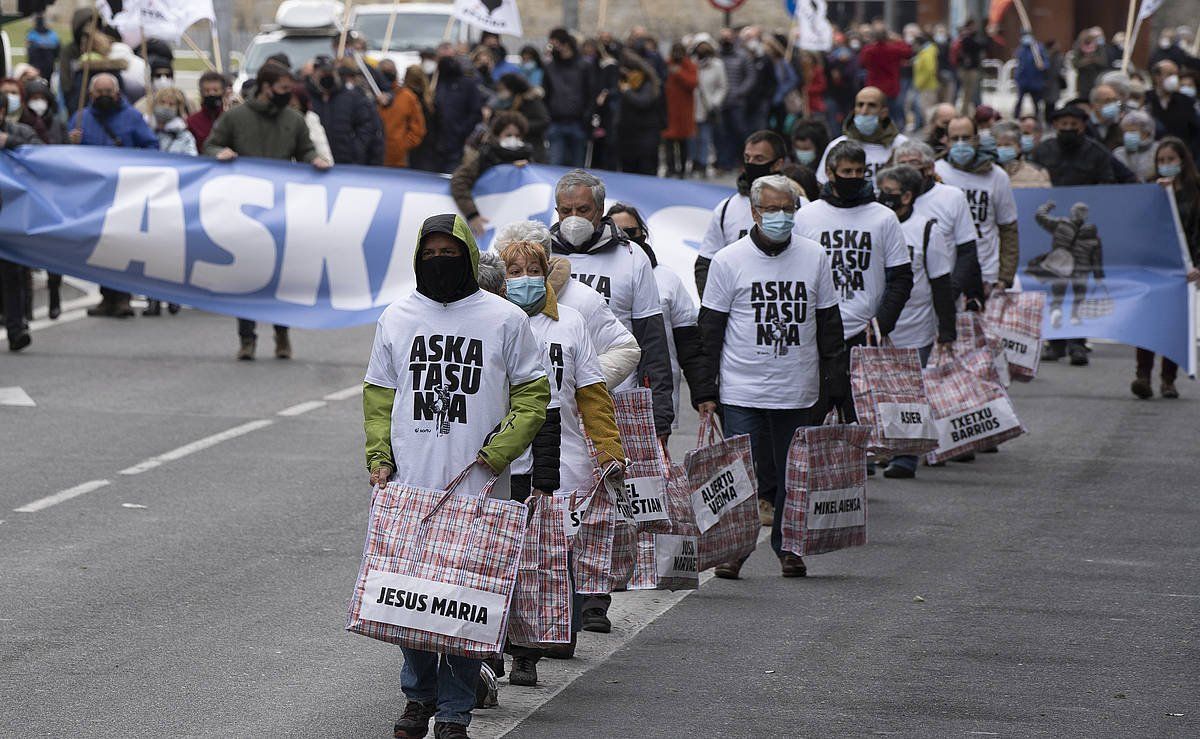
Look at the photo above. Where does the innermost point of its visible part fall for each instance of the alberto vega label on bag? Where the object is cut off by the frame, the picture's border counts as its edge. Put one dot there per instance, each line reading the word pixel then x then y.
pixel 675 556
pixel 1019 349
pixel 906 421
pixel 995 417
pixel 720 494
pixel 836 509
pixel 428 605
pixel 646 499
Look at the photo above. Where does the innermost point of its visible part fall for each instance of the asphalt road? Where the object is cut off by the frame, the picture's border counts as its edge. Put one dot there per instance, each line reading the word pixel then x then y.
pixel 193 578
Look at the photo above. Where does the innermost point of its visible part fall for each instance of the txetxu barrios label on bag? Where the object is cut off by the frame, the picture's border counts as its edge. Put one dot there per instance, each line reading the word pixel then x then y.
pixel 994 417
pixel 720 494
pixel 428 605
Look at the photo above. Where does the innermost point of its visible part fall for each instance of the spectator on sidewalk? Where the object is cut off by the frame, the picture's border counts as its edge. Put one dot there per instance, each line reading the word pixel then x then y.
pixel 1030 75
pixel 1137 145
pixel 640 123
pixel 882 59
pixel 572 88
pixel 711 89
pixel 680 94
pixel 402 118
pixel 42 46
pixel 1175 112
pixel 740 80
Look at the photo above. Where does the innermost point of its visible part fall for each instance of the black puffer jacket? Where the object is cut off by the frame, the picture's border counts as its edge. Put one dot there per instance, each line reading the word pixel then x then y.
pixel 351 124
pixel 570 86
pixel 458 107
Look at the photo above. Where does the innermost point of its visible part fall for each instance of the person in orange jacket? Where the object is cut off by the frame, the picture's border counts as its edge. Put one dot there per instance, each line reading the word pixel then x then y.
pixel 403 121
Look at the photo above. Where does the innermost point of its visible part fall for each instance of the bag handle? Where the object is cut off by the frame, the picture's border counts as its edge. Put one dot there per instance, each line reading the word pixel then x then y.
pixel 709 424
pixel 454 483
pixel 595 488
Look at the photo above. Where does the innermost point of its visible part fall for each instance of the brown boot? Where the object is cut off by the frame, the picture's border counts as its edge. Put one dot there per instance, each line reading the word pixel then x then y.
pixel 102 309
pixel 283 345
pixel 766 512
pixel 792 566
pixel 1141 387
pixel 730 570
pixel 246 352
pixel 1168 390
pixel 122 308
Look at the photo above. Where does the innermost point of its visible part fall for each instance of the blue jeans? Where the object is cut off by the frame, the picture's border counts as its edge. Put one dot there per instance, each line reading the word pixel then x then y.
pixel 909 461
pixel 448 681
pixel 701 147
pixel 568 144
pixel 771 434
pixel 731 139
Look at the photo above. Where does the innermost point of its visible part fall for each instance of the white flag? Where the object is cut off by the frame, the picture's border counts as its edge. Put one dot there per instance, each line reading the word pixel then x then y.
pixel 497 16
pixel 161 19
pixel 812 26
pixel 1148 8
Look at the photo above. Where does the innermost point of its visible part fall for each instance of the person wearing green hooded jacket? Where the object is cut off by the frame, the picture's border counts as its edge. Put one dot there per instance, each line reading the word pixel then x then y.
pixel 459 372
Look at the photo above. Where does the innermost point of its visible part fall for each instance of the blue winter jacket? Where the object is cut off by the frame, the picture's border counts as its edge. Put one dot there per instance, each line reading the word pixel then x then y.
pixel 1028 76
pixel 125 123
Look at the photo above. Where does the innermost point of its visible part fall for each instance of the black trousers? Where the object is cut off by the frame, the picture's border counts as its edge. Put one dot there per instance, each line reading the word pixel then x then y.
pixel 12 286
pixel 246 328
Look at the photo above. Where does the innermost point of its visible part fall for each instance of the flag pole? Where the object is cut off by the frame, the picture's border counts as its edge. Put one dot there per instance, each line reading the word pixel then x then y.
pixel 200 53
pixel 86 65
pixel 1037 54
pixel 1128 33
pixel 216 47
pixel 391 25
pixel 341 47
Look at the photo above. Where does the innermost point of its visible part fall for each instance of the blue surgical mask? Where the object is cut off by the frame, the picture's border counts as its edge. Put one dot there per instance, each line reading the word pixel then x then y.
pixel 1005 154
pixel 1110 111
pixel 1027 142
pixel 1133 140
pixel 525 291
pixel 961 152
pixel 777 226
pixel 806 156
pixel 14 103
pixel 987 140
pixel 1169 170
pixel 867 125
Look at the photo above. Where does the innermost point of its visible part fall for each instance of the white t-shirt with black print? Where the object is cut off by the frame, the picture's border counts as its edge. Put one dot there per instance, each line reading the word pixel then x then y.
pixel 948 206
pixel 861 242
pixel 452 366
pixel 678 311
pixel 990 199
pixel 731 220
pixel 877 156
pixel 571 363
pixel 917 326
pixel 770 358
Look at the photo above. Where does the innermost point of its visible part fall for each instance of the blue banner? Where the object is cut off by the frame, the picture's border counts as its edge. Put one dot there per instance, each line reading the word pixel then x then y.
pixel 275 241
pixel 1114 268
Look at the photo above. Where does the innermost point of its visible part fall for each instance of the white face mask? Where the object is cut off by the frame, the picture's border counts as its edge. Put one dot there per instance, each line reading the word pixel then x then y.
pixel 576 230
pixel 511 142
pixel 39 106
pixel 1171 83
pixel 428 66
pixel 162 82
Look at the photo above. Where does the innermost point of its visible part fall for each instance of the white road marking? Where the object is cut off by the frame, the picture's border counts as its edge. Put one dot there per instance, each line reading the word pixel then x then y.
pixel 197 446
pixel 349 392
pixel 16 396
pixel 305 407
pixel 62 495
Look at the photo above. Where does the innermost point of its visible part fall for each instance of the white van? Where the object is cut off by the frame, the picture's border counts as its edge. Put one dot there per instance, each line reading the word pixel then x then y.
pixel 417 26
pixel 303 29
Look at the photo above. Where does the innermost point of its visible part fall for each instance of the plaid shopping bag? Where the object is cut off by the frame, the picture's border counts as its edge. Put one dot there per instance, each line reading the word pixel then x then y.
pixel 971 409
pixel 541 609
pixel 973 334
pixel 1016 319
pixel 826 505
pixel 624 555
pixel 592 542
pixel 890 400
pixel 1097 305
pixel 724 495
pixel 644 503
pixel 668 561
pixel 438 569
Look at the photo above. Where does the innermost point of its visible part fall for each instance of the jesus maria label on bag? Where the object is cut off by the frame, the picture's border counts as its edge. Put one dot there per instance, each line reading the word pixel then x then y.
pixel 720 494
pixel 428 605
pixel 836 509
pixel 675 556
pixel 995 417
pixel 906 421
pixel 646 498
pixel 1019 349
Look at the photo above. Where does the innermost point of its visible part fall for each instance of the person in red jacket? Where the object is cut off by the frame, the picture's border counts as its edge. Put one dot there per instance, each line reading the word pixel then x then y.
pixel 680 89
pixel 214 94
pixel 882 59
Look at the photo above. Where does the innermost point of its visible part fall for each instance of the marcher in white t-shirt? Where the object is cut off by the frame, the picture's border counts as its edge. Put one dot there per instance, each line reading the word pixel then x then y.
pixel 989 194
pixel 455 382
pixel 773 336
pixel 947 205
pixel 871 128
pixel 929 313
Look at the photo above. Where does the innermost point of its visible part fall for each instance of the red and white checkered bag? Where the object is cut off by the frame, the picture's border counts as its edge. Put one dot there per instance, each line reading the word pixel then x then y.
pixel 890 400
pixel 1016 319
pixel 438 569
pixel 724 495
pixel 592 544
pixel 669 561
pixel 826 505
pixel 973 334
pixel 971 409
pixel 646 474
pixel 624 555
pixel 541 609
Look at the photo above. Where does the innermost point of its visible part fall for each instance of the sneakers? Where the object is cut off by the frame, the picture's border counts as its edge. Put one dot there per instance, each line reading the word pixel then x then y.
pixel 246 352
pixel 487 690
pixel 1056 318
pixel 897 472
pixel 792 566
pixel 1142 388
pixel 414 722
pixel 1051 352
pixel 283 345
pixel 1079 357
pixel 1168 389
pixel 55 303
pixel 153 308
pixel 561 651
pixel 730 570
pixel 766 512
pixel 524 671
pixel 449 731
pixel 595 620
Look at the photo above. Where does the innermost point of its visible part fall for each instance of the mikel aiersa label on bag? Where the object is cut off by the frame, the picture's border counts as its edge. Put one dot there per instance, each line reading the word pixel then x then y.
pixel 1019 349
pixel 675 556
pixel 995 417
pixel 720 494
pixel 428 605
pixel 646 499
pixel 836 509
pixel 906 421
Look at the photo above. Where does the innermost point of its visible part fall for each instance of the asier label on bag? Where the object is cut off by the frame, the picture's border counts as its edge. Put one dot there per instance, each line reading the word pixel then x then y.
pixel 836 509
pixel 720 494
pixel 995 417
pixel 428 605
pixel 906 421
pixel 1019 349
pixel 675 556
pixel 646 500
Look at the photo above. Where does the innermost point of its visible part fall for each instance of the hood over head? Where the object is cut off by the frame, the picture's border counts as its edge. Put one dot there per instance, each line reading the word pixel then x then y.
pixel 447 279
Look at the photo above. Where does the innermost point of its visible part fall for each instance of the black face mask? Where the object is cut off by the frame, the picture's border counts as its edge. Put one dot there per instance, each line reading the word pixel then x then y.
pixel 891 201
pixel 754 171
pixel 327 82
pixel 445 279
pixel 1070 139
pixel 390 77
pixel 106 104
pixel 634 234
pixel 848 187
pixel 212 102
pixel 281 99
pixel 726 47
